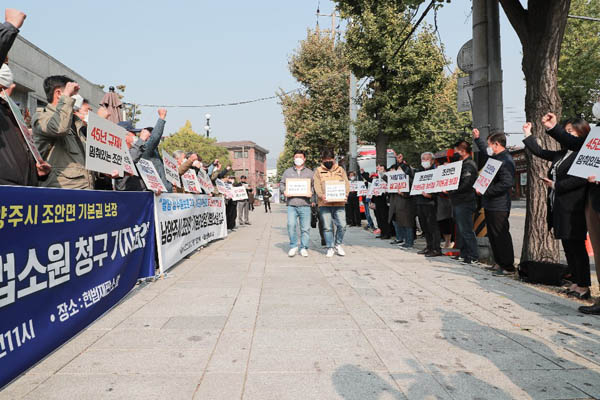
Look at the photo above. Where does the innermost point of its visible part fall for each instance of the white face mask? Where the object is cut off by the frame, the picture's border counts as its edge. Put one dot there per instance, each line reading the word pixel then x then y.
pixel 490 152
pixel 298 161
pixel 426 164
pixel 86 117
pixel 6 76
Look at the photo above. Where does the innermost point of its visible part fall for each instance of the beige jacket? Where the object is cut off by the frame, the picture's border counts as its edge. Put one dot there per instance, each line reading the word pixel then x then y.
pixel 57 134
pixel 322 175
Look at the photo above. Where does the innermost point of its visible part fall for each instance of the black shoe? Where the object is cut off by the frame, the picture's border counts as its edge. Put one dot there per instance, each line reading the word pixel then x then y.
pixel 592 310
pixel 467 261
pixel 457 258
pixel 385 237
pixel 323 243
pixel 503 272
pixel 434 253
pixel 580 296
pixel 424 251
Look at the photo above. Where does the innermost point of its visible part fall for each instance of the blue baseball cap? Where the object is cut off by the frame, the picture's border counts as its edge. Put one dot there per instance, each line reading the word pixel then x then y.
pixel 128 126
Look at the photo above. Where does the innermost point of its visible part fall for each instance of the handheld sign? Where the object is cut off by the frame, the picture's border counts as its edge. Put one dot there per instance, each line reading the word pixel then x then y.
pixel 205 182
pixel 14 109
pixel 150 176
pixel 587 161
pixel 423 182
pixel 487 174
pixel 171 171
pixel 190 182
pixel 358 187
pixel 335 191
pixel 223 188
pixel 379 187
pixel 238 193
pixel 447 177
pixel 298 187
pixel 104 145
pixel 128 166
pixel 398 182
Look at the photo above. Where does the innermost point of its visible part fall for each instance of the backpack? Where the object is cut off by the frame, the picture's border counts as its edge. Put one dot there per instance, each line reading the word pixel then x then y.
pixel 542 272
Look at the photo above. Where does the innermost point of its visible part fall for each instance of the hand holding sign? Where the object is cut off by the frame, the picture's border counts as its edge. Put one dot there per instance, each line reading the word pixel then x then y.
pixel 43 168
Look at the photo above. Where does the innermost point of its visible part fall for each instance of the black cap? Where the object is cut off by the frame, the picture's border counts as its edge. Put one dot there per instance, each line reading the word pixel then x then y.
pixel 128 126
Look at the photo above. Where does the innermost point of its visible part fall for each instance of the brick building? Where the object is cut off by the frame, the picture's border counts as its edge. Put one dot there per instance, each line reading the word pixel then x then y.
pixel 248 159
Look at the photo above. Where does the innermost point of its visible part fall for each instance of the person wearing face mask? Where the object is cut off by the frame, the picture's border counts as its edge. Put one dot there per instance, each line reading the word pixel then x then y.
pixel 331 212
pixel 298 207
pixel 427 213
pixel 352 206
pixel 464 203
pixel 496 202
pixel 17 164
pixel 566 206
pixel 382 209
pixel 136 146
pixel 402 207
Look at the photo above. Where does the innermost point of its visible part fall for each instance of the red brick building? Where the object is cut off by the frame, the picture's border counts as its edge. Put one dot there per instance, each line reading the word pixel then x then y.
pixel 248 159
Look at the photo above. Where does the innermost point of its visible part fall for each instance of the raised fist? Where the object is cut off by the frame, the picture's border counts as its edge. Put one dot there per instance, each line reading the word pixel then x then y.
pixel 71 88
pixel 475 133
pixel 549 120
pixel 527 129
pixel 14 17
pixel 162 113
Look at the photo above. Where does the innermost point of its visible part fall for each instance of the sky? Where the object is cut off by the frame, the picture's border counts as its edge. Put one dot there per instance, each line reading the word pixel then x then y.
pixel 200 52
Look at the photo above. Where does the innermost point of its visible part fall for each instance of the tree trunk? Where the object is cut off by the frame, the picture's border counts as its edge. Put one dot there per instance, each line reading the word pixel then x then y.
pixel 540 29
pixel 381 145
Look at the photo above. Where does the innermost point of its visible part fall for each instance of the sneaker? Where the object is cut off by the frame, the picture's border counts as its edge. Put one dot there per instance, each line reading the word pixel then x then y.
pixel 340 250
pixel 292 251
pixel 303 253
pixel 330 252
pixel 434 253
pixel 424 251
pixel 405 246
pixel 503 272
pixel 466 261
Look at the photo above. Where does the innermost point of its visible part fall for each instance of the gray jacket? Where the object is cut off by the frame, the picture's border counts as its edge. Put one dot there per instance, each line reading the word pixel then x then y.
pixel 133 183
pixel 151 153
pixel 292 172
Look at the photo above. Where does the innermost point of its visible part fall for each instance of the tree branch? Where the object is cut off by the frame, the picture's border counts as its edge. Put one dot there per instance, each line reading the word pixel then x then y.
pixel 517 16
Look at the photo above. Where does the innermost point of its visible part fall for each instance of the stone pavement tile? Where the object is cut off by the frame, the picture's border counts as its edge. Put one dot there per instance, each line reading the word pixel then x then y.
pixel 267 299
pixel 302 309
pixel 292 290
pixel 116 386
pixel 558 384
pixel 172 308
pixel 209 322
pixel 270 321
pixel 220 386
pixel 348 382
pixel 136 361
pixel 231 352
pixel 23 385
pixel 483 384
pixel 158 339
pixel 420 386
pixel 394 354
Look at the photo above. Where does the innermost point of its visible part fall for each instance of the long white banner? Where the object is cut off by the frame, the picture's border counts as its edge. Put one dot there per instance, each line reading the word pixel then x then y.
pixel 185 222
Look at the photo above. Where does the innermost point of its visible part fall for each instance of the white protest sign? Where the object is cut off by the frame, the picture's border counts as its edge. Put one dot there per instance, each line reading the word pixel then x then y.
pixel 190 182
pixel 128 166
pixel 423 181
pixel 398 182
pixel 487 174
pixel 358 187
pixel 23 127
pixel 171 171
pixel 150 176
pixel 298 187
pixel 104 145
pixel 447 177
pixel 238 193
pixel 379 187
pixel 587 161
pixel 205 182
pixel 335 191
pixel 223 188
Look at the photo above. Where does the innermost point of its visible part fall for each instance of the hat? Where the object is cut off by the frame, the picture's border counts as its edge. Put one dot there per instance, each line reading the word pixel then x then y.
pixel 128 126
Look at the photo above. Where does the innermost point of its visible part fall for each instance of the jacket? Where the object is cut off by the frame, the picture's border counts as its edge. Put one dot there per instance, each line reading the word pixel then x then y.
pixel 465 192
pixel 566 208
pixel 133 183
pixel 291 173
pixel 58 136
pixel 321 176
pixel 574 143
pixel 151 152
pixel 422 200
pixel 497 195
pixel 402 206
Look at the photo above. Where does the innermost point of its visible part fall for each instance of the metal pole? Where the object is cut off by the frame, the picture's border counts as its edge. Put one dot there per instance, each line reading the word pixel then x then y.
pixel 479 77
pixel 495 103
pixel 353 145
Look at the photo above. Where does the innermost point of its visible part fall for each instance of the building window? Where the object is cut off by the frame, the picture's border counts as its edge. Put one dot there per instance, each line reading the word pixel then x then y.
pixel 260 157
pixel 239 154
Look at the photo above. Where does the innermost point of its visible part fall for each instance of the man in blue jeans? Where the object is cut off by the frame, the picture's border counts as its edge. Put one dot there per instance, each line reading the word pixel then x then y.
pixel 298 207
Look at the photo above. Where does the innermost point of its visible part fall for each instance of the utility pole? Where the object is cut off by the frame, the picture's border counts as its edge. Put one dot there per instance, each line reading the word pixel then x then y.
pixel 353 145
pixel 333 29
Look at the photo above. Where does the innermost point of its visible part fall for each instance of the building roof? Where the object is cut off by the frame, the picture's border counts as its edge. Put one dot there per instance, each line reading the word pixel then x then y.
pixel 242 143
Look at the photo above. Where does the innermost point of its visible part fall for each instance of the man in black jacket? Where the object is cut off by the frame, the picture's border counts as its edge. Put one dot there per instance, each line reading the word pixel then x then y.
pixel 497 203
pixel 463 202
pixel 427 213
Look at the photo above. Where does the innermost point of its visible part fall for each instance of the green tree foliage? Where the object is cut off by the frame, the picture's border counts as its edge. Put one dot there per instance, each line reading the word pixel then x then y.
pixel 187 140
pixel 579 65
pixel 404 73
pixel 316 117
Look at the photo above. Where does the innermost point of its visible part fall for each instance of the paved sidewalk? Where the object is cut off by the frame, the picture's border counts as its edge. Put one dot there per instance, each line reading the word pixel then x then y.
pixel 240 319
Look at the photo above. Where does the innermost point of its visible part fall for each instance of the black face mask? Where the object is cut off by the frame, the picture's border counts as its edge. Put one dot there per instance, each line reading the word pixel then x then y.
pixel 328 164
pixel 455 157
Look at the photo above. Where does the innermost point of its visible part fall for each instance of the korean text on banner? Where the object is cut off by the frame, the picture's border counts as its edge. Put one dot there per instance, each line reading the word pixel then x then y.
pixel 67 256
pixel 358 187
pixel 398 182
pixel 104 145
pixel 223 188
pixel 379 187
pixel 587 161
pixel 487 174
pixel 335 191
pixel 423 182
pixel 298 187
pixel 185 222
pixel 190 182
pixel 171 171
pixel 16 112
pixel 447 177
pixel 150 176
pixel 128 166
pixel 238 193
pixel 205 182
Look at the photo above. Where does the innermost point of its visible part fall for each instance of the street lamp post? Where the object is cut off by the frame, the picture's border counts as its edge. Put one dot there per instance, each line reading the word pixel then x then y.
pixel 207 126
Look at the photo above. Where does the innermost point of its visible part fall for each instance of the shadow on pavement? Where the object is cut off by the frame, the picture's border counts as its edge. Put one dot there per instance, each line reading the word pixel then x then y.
pixel 354 383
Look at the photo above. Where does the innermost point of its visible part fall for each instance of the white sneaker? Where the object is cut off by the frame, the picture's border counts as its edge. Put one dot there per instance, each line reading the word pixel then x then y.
pixel 340 251
pixel 330 252
pixel 292 251
pixel 303 253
